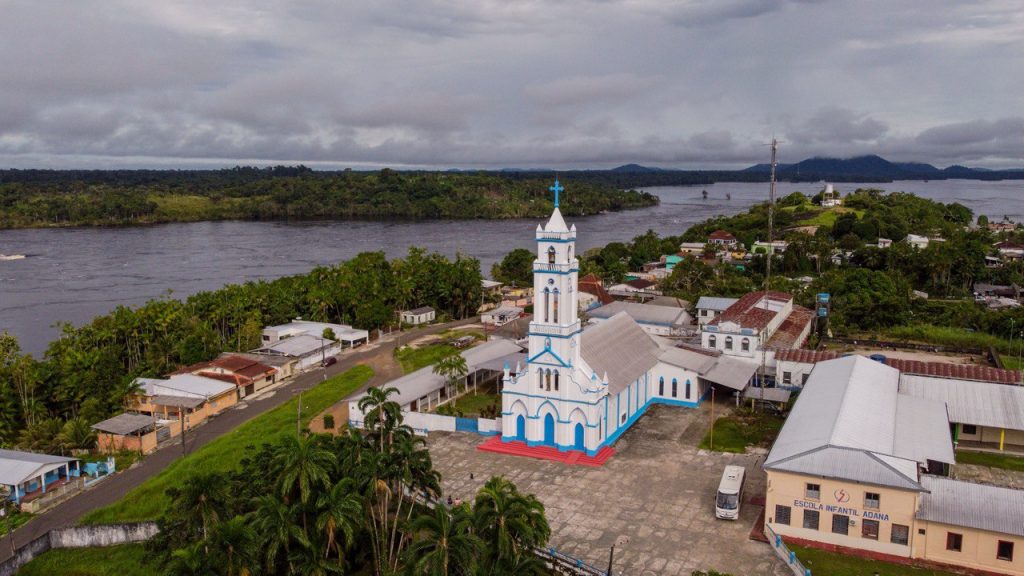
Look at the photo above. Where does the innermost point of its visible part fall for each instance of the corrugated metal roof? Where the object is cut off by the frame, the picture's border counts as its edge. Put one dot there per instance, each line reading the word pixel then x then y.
pixel 715 303
pixel 958 371
pixel 620 348
pixel 854 403
pixel 970 505
pixel 687 359
pixel 17 467
pixel 731 372
pixel 643 313
pixel 420 310
pixel 124 424
pixel 422 382
pixel 792 328
pixel 296 346
pixel 188 385
pixel 805 356
pixel 969 402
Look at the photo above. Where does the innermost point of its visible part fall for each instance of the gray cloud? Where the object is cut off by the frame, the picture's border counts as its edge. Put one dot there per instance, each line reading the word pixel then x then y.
pixel 494 83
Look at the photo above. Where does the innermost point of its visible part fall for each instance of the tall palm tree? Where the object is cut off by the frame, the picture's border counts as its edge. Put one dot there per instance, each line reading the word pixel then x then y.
pixel 188 561
pixel 277 525
pixel 443 543
pixel 509 523
pixel 302 465
pixel 339 512
pixel 234 544
pixel 76 433
pixel 202 499
pixel 378 411
pixel 452 367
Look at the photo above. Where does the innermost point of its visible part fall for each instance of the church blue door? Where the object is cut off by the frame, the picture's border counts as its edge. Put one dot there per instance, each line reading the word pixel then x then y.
pixel 520 427
pixel 579 438
pixel 549 430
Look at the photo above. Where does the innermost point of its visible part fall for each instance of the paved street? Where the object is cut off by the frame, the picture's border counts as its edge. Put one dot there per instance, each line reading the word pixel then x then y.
pixel 112 489
pixel 658 490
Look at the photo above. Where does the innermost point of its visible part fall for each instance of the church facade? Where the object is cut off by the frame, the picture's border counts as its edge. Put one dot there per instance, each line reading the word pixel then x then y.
pixel 582 388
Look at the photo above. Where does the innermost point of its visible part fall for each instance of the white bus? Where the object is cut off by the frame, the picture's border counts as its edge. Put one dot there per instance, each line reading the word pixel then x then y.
pixel 730 493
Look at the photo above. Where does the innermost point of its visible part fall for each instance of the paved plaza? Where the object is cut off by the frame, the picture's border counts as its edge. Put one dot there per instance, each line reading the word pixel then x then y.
pixel 658 491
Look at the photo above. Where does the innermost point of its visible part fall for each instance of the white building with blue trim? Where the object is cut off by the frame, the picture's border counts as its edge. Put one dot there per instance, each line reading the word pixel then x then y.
pixel 581 389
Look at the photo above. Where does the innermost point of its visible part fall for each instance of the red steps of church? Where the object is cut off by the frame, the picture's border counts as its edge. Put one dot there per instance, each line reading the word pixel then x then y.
pixel 572 457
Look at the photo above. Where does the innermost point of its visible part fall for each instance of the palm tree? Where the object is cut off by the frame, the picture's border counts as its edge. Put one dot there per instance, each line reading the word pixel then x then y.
pixel 234 543
pixel 380 415
pixel 202 499
pixel 340 511
pixel 509 523
pixel 443 543
pixel 301 466
pixel 188 561
pixel 277 527
pixel 76 433
pixel 452 367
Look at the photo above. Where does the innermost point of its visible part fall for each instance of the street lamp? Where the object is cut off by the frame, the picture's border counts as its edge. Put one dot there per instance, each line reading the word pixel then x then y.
pixel 620 541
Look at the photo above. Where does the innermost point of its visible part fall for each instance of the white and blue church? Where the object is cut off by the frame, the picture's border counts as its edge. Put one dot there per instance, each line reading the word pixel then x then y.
pixel 582 388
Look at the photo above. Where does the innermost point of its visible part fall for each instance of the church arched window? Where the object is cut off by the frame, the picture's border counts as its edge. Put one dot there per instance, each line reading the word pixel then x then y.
pixel 554 308
pixel 687 389
pixel 551 255
pixel 745 344
pixel 556 380
pixel 728 342
pixel 547 380
pixel 675 388
pixel 712 341
pixel 540 378
pixel 661 386
pixel 547 303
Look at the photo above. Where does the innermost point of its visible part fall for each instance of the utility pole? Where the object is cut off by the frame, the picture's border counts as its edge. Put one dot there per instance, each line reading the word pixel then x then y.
pixel 711 438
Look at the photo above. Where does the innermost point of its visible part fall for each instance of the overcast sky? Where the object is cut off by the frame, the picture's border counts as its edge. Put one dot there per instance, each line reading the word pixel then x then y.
pixel 502 83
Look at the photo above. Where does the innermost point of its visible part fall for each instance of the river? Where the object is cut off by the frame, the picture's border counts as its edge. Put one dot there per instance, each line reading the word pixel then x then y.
pixel 75 274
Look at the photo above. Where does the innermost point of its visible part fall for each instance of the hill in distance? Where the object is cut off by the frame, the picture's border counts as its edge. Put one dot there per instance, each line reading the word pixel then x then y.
pixel 875 167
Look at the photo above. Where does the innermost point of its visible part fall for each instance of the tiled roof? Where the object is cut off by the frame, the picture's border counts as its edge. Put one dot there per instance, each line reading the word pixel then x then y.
pixel 747 314
pixel 233 363
pixel 805 356
pixel 192 368
pixel 721 235
pixel 956 371
pixel 235 379
pixel 640 283
pixel 591 284
pixel 792 328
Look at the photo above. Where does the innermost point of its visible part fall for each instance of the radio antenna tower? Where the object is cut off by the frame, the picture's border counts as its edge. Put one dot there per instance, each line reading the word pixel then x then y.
pixel 768 266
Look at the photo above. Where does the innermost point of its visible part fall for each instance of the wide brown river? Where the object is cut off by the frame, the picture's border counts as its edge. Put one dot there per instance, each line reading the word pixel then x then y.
pixel 75 274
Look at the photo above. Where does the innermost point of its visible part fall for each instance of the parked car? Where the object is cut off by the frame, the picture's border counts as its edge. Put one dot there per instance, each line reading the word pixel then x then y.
pixel 329 361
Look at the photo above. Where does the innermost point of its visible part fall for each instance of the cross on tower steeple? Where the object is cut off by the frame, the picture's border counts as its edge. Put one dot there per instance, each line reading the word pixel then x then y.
pixel 557 188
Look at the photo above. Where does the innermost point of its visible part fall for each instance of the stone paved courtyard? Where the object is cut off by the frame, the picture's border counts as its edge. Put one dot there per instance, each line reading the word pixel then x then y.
pixel 658 490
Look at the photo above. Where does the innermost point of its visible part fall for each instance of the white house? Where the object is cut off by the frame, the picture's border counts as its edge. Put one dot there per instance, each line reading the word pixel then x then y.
pixel 919 242
pixel 421 315
pixel 342 332
pixel 692 247
pixel 501 316
pixel 757 322
pixel 709 308
pixel 884 243
pixel 775 247
pixel 830 198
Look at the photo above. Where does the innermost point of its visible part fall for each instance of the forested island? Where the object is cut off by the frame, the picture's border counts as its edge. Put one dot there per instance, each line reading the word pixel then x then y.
pixel 39 198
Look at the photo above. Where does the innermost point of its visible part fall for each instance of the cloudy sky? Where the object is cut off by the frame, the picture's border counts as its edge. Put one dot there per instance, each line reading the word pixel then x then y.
pixel 499 83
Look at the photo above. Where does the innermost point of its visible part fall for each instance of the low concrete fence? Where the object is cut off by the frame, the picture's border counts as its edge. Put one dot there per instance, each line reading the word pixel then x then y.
pixel 79 537
pixel 425 422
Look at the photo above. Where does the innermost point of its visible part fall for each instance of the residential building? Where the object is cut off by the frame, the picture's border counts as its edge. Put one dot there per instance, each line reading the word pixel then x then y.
pixel 722 239
pixel 1010 250
pixel 501 316
pixel 421 315
pixel 774 247
pixel 671 260
pixel 657 320
pixel 308 350
pixel 247 373
pixel 917 241
pixel 710 307
pixel 696 248
pixel 635 288
pixel 343 333
pixel 183 400
pixel 757 322
pixel 884 243
pixel 132 432
pixel 28 475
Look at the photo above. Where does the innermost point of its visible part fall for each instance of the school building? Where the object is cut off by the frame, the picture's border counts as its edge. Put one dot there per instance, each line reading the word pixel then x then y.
pixel 861 467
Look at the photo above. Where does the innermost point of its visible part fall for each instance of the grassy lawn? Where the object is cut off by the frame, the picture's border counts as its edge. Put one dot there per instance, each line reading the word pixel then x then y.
pixel 412 359
pixel 833 564
pixel 112 561
pixel 148 501
pixel 1011 362
pixel 942 336
pixel 735 433
pixel 828 217
pixel 1015 463
pixel 16 521
pixel 471 404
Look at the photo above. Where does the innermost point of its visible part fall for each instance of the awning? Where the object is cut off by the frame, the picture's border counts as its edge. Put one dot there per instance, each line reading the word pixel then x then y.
pixel 177 401
pixel 731 373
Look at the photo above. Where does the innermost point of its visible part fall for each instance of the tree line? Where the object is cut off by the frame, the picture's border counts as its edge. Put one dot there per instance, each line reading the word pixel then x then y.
pixel 85 375
pixel 35 198
pixel 365 502
pixel 872 288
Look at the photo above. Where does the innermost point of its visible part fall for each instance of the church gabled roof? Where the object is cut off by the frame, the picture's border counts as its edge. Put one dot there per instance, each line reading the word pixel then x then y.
pixel 620 348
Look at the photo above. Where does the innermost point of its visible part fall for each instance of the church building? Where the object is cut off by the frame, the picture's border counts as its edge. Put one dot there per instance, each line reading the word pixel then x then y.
pixel 582 388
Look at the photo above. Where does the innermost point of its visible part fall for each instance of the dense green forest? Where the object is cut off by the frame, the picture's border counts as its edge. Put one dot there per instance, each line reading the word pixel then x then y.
pixel 871 288
pixel 66 198
pixel 86 373
pixel 358 503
